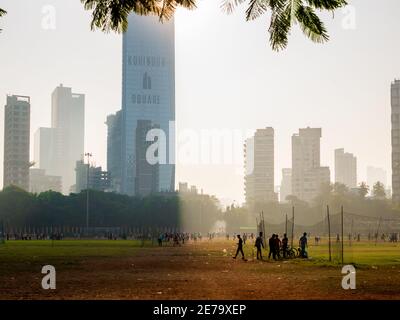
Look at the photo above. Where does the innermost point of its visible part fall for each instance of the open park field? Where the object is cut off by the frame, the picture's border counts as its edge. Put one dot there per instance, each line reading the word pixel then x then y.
pixel 123 269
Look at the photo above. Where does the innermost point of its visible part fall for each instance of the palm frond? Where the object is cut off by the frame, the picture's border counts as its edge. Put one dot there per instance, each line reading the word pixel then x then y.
pixel 228 6
pixel 2 13
pixel 311 25
pixel 112 15
pixel 279 28
pixel 256 9
pixel 188 4
pixel 327 4
pixel 294 5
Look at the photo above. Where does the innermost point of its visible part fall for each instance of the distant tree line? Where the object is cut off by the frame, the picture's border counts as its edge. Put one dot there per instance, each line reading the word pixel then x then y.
pixel 185 211
pixel 190 212
pixel 356 201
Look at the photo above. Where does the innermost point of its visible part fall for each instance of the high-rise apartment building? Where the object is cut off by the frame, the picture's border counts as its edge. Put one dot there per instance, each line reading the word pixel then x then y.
pixel 148 94
pixel 307 174
pixel 16 141
pixel 43 152
pixel 345 168
pixel 68 122
pixel 259 167
pixel 395 102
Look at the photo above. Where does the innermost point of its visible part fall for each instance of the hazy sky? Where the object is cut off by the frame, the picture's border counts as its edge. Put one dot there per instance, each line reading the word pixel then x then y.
pixel 227 77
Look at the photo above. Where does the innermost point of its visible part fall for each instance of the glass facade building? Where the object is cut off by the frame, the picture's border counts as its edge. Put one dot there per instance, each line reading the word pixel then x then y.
pixel 148 94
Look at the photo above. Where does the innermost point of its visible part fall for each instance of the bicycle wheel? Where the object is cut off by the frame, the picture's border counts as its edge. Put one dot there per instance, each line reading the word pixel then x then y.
pixel 291 253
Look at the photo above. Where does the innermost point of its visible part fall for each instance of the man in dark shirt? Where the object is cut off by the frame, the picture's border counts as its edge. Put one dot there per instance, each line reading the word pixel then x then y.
pixel 285 241
pixel 271 246
pixel 239 248
pixel 259 243
pixel 303 245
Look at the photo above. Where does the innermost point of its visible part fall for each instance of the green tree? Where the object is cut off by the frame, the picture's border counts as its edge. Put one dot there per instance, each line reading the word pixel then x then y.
pixel 113 14
pixel 363 190
pixel 378 190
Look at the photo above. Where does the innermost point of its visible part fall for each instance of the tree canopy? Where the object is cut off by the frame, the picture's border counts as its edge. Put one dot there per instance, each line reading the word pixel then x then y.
pixel 195 212
pixel 113 14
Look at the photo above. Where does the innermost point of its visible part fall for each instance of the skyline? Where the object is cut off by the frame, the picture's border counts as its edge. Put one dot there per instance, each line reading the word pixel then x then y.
pixel 217 85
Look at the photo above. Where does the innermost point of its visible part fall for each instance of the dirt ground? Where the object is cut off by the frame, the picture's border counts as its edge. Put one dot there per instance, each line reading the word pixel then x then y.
pixel 193 271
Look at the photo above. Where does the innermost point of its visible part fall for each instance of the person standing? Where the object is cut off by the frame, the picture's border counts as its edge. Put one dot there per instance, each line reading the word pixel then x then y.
pixel 271 246
pixel 303 245
pixel 277 246
pixel 285 242
pixel 239 247
pixel 259 243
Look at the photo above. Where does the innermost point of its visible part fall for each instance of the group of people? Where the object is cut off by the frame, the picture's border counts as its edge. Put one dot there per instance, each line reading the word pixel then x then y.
pixel 276 246
pixel 176 238
pixel 36 236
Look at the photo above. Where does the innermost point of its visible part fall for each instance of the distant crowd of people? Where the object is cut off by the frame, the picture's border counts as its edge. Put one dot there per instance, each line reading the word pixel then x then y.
pixel 277 248
pixel 178 238
pixel 34 236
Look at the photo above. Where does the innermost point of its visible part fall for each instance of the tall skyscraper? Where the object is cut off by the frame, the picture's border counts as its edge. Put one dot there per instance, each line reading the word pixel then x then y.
pixel 345 168
pixel 114 150
pixel 16 141
pixel 148 93
pixel 43 153
pixel 395 102
pixel 68 122
pixel 307 174
pixel 259 167
pixel 286 184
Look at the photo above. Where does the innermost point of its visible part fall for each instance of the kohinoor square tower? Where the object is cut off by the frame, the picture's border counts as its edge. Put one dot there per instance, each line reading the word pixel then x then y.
pixel 148 94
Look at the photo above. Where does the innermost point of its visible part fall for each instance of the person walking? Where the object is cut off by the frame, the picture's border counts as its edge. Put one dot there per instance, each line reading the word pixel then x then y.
pixel 259 243
pixel 239 247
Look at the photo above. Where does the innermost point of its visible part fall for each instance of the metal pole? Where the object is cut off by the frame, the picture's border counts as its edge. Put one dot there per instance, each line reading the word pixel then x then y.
pixel 342 236
pixel 257 226
pixel 377 231
pixel 201 215
pixel 262 212
pixel 292 225
pixel 351 232
pixel 329 233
